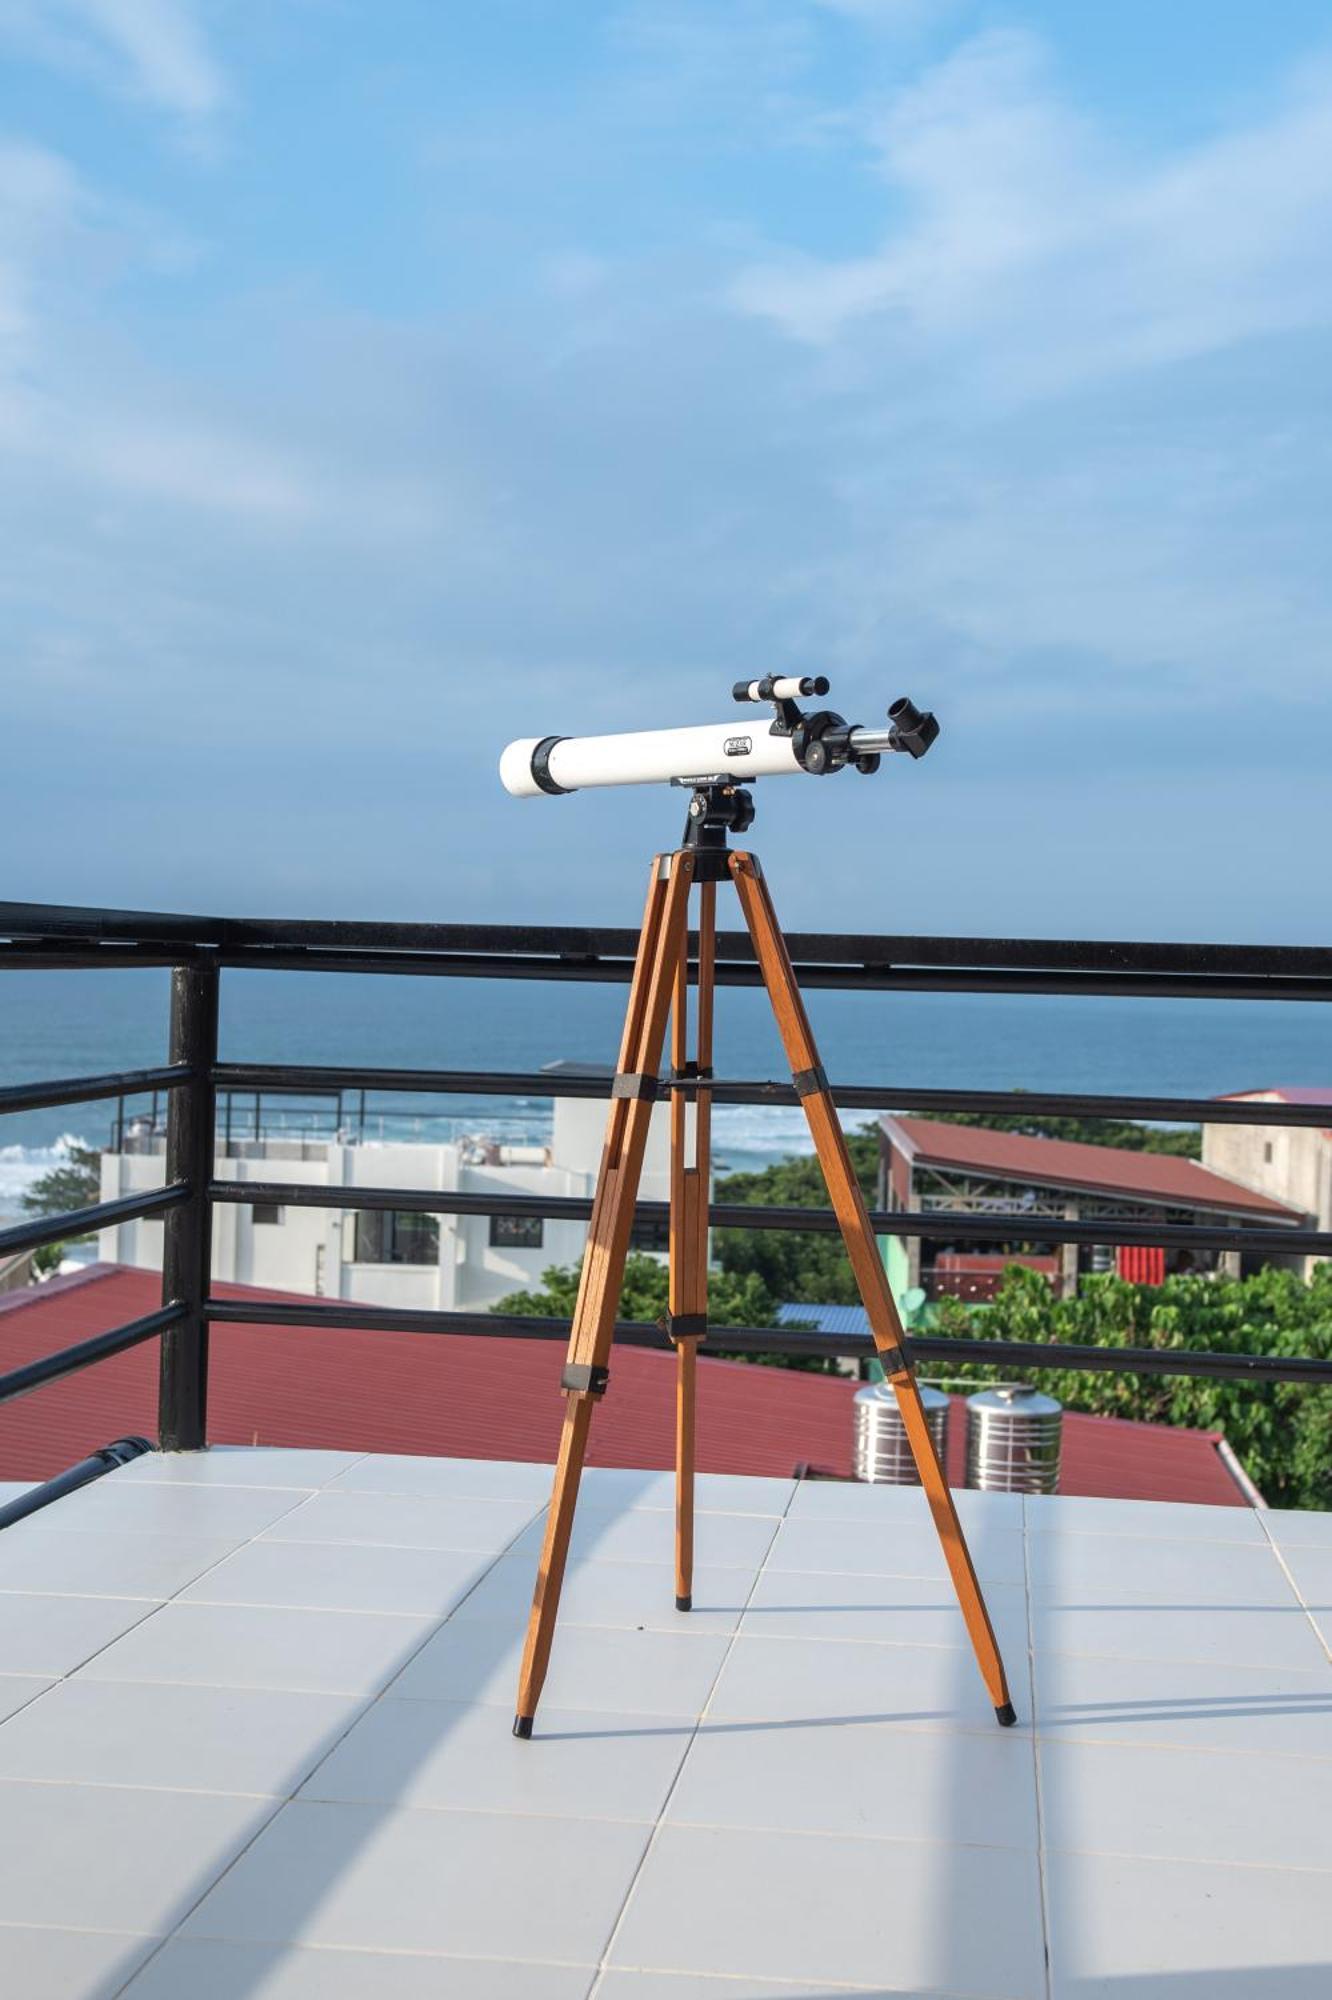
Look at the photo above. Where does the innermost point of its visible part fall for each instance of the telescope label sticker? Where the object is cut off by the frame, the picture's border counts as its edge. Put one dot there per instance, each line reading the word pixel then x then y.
pixel 738 746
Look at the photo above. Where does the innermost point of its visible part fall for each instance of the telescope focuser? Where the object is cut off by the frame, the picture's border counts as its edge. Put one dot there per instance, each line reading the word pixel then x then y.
pixel 824 741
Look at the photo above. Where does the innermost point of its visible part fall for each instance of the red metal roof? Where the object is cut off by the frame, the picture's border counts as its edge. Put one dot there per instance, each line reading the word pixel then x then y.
pixel 1067 1163
pixel 477 1397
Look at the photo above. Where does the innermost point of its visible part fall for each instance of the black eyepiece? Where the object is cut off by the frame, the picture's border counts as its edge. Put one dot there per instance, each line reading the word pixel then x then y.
pixel 913 729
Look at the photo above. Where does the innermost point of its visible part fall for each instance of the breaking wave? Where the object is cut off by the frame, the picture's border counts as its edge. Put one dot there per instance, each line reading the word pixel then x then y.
pixel 21 1166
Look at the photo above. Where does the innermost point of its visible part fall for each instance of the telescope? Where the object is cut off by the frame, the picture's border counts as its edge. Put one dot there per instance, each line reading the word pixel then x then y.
pixel 817 741
pixel 674 978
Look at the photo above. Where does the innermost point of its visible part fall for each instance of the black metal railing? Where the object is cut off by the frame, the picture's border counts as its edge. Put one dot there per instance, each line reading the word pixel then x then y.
pixel 200 949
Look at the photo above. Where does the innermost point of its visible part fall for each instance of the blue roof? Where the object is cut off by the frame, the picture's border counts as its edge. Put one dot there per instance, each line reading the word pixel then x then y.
pixel 825 1319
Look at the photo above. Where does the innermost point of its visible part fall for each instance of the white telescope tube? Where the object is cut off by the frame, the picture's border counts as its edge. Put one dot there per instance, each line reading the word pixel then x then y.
pixel 645 757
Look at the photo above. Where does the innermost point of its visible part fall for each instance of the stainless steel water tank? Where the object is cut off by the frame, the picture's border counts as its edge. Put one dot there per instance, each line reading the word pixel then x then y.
pixel 1013 1440
pixel 882 1454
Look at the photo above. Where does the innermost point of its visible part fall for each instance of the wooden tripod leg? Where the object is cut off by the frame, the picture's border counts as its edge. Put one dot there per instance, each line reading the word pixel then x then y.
pixel 688 1298
pixel 849 1206
pixel 661 945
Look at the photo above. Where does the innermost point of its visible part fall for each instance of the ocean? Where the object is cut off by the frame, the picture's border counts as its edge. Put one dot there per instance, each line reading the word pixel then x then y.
pixel 81 1023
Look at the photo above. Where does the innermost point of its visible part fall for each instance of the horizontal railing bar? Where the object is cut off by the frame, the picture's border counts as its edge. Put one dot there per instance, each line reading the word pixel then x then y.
pixel 87 958
pixel 46 920
pixel 94 1466
pixel 88 1089
pixel 69 1360
pixel 937 1226
pixel 82 1221
pixel 815 976
pixel 778 1340
pixel 812 976
pixel 1202 1362
pixel 301 1079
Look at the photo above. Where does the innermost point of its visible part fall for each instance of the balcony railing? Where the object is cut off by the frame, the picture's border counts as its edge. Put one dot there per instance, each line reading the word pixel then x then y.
pixel 200 949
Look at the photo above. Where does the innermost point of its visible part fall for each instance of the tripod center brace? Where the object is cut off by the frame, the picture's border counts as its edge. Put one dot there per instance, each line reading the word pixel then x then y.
pixel 660 986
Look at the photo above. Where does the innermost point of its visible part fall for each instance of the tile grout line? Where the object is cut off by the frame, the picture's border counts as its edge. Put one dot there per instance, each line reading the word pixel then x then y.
pixel 266 1822
pixel 1041 1885
pixel 280 1804
pixel 1289 1575
pixel 402 1667
pixel 59 1680
pixel 603 1966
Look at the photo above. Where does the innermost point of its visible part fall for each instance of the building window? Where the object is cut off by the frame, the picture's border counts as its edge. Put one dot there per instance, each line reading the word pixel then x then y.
pixel 517 1232
pixel 1267 1152
pixel 653 1236
pixel 394 1236
pixel 267 1213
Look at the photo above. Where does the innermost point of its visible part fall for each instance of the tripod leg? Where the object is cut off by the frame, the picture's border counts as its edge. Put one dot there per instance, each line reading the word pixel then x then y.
pixel 689 1225
pixel 849 1206
pixel 660 946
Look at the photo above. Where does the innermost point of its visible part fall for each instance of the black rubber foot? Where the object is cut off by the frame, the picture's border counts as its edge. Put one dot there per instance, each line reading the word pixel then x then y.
pixel 684 1603
pixel 1006 1716
pixel 522 1726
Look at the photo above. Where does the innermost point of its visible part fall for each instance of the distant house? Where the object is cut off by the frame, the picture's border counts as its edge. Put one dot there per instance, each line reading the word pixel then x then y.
pixel 447 1262
pixel 930 1167
pixel 1292 1163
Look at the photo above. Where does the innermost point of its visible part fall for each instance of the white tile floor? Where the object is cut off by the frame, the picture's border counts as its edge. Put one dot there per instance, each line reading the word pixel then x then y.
pixel 254 1745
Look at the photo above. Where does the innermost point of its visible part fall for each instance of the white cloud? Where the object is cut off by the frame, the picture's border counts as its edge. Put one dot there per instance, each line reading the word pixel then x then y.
pixel 41 203
pixel 86 412
pixel 155 49
pixel 360 549
pixel 1032 243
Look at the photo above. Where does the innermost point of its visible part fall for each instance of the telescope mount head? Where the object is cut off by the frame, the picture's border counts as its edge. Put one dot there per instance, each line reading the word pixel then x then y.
pixel 717 806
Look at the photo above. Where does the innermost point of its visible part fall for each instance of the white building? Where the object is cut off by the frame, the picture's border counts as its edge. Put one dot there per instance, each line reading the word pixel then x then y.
pixel 394 1258
pixel 1291 1162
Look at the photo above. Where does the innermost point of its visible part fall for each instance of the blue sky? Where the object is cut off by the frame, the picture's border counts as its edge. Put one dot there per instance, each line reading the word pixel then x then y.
pixel 380 382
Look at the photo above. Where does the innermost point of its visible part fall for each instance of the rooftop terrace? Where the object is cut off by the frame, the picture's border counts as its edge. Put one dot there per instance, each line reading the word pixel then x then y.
pixel 255 1704
pixel 257 1744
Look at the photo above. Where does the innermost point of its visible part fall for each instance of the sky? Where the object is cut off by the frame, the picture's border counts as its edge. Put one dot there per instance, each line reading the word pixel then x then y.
pixel 382 381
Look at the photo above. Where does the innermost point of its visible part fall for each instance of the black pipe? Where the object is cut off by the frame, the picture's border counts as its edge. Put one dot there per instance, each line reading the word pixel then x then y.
pixel 182 1414
pixel 89 1089
pixel 312 1079
pixel 849 960
pixel 779 1340
pixel 68 1360
pixel 812 977
pixel 82 1221
pixel 939 1226
pixel 93 1467
pixel 53 920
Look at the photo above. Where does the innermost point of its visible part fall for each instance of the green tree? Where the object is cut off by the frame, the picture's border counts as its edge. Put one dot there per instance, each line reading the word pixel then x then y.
pixel 794 1264
pixel 76 1183
pixel 733 1300
pixel 1280 1431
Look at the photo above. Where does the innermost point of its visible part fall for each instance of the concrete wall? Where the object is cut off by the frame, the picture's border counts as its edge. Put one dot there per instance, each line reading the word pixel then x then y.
pixel 313 1249
pixel 1291 1163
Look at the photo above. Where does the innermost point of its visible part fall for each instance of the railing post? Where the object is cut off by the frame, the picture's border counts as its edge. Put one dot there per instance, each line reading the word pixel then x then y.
pixel 182 1408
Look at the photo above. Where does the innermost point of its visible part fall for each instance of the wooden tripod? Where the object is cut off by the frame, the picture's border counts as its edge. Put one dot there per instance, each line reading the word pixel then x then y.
pixel 660 985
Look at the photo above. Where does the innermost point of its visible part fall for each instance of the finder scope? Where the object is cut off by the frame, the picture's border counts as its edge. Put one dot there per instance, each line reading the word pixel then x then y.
pixel 818 742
